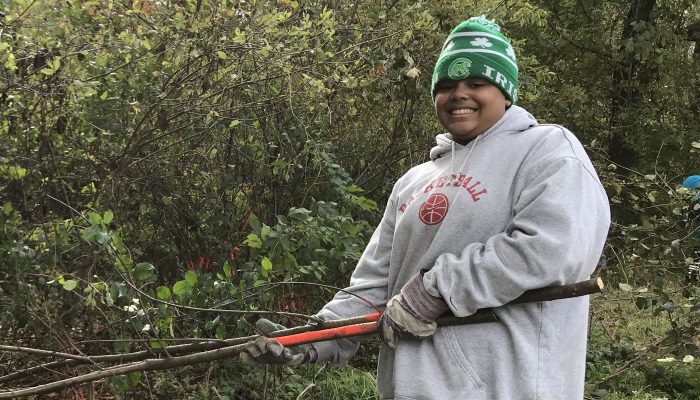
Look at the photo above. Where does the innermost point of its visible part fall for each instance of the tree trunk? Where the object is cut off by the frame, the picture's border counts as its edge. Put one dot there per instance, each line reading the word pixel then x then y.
pixel 626 82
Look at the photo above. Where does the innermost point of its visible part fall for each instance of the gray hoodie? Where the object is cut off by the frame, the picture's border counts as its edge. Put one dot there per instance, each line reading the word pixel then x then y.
pixel 520 207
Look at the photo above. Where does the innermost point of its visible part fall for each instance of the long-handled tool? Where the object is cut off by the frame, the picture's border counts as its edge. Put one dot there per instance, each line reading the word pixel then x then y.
pixel 367 324
pixel 327 330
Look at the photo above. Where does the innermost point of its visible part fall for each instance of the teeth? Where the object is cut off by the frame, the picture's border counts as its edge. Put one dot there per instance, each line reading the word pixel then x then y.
pixel 463 111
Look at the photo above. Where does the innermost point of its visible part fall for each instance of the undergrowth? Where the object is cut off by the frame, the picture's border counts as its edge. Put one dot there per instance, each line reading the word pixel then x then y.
pixel 634 354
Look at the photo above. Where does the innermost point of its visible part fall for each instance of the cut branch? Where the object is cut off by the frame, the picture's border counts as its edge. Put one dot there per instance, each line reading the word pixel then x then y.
pixel 217 350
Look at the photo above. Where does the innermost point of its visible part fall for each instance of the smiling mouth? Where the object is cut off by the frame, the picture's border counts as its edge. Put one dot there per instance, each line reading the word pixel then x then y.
pixel 463 111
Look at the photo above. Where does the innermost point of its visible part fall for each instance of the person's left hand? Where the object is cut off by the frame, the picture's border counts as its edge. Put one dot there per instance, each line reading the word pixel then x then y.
pixel 411 313
pixel 264 350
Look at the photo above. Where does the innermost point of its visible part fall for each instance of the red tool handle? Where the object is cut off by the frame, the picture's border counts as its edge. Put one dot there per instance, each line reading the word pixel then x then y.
pixel 366 328
pixel 367 324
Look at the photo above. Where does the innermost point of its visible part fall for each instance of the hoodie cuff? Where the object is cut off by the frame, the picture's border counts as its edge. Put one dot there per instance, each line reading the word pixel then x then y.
pixel 417 301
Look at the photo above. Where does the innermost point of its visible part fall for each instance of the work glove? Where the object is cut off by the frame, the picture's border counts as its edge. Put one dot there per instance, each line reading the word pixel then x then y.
pixel 264 350
pixel 411 313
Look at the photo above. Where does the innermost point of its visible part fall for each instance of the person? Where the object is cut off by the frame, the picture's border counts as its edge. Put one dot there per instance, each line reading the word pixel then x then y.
pixel 504 205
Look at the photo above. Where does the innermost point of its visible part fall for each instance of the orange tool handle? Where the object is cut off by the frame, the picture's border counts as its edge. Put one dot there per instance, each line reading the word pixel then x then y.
pixel 366 326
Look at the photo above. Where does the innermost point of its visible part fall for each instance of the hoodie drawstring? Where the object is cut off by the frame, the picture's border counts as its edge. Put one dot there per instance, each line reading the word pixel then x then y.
pixel 452 171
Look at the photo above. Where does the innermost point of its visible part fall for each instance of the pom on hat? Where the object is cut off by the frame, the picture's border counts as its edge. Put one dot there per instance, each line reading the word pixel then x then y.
pixel 476 49
pixel 692 182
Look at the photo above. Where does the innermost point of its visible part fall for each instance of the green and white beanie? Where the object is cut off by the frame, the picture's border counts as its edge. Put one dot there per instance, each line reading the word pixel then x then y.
pixel 477 49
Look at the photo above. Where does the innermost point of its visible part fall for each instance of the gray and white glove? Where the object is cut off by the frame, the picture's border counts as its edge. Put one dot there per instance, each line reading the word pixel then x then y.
pixel 264 350
pixel 411 313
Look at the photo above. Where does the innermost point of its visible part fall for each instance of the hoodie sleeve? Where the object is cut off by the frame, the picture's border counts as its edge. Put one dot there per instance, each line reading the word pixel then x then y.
pixel 559 223
pixel 368 289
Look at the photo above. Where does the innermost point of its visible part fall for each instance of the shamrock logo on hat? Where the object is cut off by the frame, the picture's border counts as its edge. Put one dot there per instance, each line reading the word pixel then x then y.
pixel 481 42
pixel 510 52
pixel 459 68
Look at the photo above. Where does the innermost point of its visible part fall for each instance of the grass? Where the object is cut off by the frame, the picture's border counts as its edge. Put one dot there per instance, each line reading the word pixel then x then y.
pixel 624 345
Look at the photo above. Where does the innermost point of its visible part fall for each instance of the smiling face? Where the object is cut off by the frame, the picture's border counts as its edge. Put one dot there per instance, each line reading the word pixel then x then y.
pixel 469 107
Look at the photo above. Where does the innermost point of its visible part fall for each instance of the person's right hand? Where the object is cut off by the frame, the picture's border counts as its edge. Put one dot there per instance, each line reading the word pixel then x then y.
pixel 264 350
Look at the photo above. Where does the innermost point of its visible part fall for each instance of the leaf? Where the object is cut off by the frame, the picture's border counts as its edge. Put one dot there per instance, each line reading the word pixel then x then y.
pixel 107 217
pixel 234 123
pixel 266 264
pixel 254 223
pixel 625 287
pixel 666 360
pixel 163 293
pixel 221 332
pixel 413 73
pixel 144 271
pixel 180 287
pixel 299 214
pixel 70 284
pixel 94 218
pixel 191 278
pixel 253 241
pixel 228 273
pixel 55 63
pixel 221 55
pixel 265 232
pixel 696 145
pixel 16 172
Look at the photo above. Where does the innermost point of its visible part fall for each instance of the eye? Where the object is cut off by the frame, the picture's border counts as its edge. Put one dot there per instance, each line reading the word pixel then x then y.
pixel 445 85
pixel 476 85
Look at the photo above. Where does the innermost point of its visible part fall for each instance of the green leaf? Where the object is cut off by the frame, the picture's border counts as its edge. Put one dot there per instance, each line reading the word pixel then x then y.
pixel 181 287
pixel 70 284
pixel 191 278
pixel 163 293
pixel 55 63
pixel 94 218
pixel 15 172
pixel 221 332
pixel 266 264
pixel 299 214
pixel 253 241
pixel 228 273
pixel 265 232
pixel 221 55
pixel 234 123
pixel 144 271
pixel 255 223
pixel 107 217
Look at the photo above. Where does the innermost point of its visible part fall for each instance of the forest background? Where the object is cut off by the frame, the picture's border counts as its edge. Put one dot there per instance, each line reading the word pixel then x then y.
pixel 168 169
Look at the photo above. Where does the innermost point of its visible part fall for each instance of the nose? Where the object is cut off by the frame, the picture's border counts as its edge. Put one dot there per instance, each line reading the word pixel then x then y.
pixel 461 91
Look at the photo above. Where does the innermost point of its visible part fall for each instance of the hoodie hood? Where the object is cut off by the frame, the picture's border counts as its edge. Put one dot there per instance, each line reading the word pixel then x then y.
pixel 515 119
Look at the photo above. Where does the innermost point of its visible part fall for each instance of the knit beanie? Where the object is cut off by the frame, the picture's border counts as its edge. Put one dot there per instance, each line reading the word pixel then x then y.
pixel 692 182
pixel 477 49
